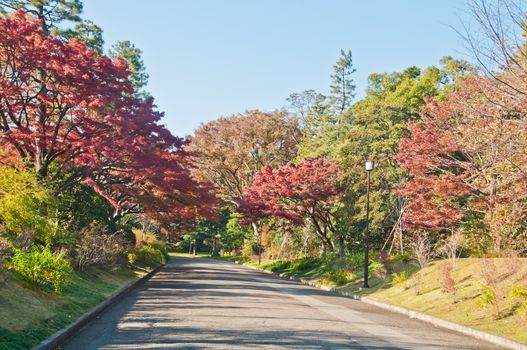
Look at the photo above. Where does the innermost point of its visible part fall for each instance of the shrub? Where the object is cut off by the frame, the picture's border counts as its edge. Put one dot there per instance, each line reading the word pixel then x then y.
pixel 518 296
pixel 400 278
pixel 487 298
pixel 42 267
pixel 163 248
pixel 422 249
pixel 24 203
pixel 338 277
pixel 278 266
pixel 304 264
pixel 146 256
pixel 401 258
pixel 356 260
pixel 99 249
pixel 448 284
pixel 250 248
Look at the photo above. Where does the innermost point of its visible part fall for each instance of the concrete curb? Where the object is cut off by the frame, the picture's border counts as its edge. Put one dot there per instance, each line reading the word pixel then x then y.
pixel 57 339
pixel 491 338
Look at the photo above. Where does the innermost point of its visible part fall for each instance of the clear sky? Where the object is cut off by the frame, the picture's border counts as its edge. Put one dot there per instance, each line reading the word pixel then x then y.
pixel 209 58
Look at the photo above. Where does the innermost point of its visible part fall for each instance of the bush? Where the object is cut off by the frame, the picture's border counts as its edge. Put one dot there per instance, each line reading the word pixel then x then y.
pixel 518 296
pixel 487 298
pixel 99 249
pixel 250 248
pixel 42 267
pixel 278 266
pixel 305 264
pixel 163 248
pixel 356 260
pixel 401 258
pixel 338 277
pixel 400 278
pixel 448 283
pixel 24 203
pixel 146 256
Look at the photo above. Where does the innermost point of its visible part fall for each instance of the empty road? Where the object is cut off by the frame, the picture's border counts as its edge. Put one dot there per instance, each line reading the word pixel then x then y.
pixel 195 303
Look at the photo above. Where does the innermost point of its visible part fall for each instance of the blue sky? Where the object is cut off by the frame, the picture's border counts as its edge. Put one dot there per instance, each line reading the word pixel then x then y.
pixel 210 58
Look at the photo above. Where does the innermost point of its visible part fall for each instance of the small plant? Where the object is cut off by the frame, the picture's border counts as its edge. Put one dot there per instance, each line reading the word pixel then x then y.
pixel 42 267
pixel 338 277
pixel 518 296
pixel 400 279
pixel 488 299
pixel 451 248
pixel 422 249
pixel 447 281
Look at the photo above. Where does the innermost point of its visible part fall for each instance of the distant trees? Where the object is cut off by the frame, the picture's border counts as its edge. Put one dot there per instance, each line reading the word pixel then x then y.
pixel 229 151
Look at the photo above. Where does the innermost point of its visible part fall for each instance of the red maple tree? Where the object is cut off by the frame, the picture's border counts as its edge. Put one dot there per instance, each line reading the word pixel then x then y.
pixel 307 191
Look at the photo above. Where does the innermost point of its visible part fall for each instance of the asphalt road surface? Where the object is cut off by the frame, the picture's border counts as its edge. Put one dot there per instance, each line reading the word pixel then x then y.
pixel 195 303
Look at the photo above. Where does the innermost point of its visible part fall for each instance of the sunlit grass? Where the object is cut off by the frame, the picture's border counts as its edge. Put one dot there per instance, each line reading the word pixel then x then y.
pixel 29 315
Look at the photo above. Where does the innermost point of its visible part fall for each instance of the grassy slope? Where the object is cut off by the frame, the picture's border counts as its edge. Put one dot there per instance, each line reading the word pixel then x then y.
pixel 29 315
pixel 422 292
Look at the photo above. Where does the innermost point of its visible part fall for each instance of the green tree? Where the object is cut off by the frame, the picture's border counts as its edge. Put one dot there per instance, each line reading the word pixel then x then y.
pixel 327 121
pixel 379 123
pixel 234 234
pixel 87 32
pixel 342 87
pixel 50 12
pixel 133 56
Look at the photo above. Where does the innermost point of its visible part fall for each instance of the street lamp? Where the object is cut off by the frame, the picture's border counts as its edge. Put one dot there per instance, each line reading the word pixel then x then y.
pixel 369 167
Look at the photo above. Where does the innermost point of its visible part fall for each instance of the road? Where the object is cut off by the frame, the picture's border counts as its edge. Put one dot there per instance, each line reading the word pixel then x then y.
pixel 197 303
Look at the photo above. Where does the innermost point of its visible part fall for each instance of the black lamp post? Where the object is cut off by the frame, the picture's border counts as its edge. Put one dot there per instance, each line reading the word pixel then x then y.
pixel 369 168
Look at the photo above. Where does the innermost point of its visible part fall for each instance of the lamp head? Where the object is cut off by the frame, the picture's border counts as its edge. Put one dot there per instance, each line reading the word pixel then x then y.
pixel 369 165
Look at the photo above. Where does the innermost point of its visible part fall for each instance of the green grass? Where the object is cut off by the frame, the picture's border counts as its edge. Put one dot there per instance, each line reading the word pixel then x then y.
pixel 28 315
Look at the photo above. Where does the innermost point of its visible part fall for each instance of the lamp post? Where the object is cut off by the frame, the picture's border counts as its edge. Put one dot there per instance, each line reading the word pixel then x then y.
pixel 369 167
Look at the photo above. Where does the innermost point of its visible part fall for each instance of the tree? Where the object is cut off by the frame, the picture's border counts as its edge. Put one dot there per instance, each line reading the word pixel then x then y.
pixel 87 32
pixel 300 104
pixel 229 151
pixel 60 117
pixel 342 88
pixel 458 174
pixel 328 120
pixel 379 123
pixel 132 55
pixel 83 120
pixel 49 12
pixel 307 191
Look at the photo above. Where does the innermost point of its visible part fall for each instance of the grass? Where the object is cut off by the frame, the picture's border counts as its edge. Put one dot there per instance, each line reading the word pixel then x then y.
pixel 423 293
pixel 29 315
pixel 422 290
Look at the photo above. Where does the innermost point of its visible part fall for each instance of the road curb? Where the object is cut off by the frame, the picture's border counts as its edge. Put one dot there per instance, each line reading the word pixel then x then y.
pixel 491 338
pixel 57 339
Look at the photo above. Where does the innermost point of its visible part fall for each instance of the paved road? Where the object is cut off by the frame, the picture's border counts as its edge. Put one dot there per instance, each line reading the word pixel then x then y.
pixel 196 303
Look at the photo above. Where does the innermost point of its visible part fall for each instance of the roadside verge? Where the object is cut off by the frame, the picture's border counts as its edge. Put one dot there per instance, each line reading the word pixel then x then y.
pixel 491 338
pixel 62 335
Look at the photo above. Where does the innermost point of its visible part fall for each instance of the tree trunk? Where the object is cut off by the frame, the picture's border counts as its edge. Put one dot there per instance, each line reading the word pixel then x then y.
pixel 341 246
